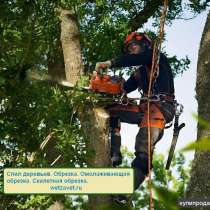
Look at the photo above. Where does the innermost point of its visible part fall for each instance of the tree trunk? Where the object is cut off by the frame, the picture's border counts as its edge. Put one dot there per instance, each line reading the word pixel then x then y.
pixel 71 45
pixel 199 185
pixel 93 121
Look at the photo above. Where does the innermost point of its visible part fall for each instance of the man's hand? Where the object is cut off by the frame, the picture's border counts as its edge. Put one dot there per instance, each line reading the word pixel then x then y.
pixel 102 65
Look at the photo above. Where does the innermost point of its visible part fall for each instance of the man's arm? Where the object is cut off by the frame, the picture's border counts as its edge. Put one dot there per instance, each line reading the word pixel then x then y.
pixel 127 60
pixel 134 81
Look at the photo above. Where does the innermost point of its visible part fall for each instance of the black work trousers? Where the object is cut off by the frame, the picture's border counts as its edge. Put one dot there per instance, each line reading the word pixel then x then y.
pixel 140 162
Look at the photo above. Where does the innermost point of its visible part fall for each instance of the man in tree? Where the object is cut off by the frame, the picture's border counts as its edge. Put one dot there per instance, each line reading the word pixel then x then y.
pixel 138 52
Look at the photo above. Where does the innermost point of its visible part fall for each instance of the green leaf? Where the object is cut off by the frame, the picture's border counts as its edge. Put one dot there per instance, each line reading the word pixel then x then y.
pixel 202 144
pixel 2 81
pixel 168 198
pixel 204 123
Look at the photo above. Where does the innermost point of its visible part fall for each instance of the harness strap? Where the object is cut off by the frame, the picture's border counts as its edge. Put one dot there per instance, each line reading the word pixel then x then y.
pixel 158 97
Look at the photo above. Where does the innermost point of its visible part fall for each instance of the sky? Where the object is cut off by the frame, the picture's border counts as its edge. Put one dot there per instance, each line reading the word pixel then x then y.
pixel 182 38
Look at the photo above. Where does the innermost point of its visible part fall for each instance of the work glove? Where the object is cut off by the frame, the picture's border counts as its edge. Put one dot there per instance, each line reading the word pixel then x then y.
pixel 103 65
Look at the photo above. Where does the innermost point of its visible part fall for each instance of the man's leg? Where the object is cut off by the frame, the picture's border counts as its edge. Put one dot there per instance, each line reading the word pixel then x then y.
pixel 140 163
pixel 116 156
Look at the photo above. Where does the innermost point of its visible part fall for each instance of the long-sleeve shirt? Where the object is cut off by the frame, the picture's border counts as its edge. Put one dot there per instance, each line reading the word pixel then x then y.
pixel 164 83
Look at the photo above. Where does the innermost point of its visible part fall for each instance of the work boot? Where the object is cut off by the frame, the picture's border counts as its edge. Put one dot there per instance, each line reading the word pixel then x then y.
pixel 116 159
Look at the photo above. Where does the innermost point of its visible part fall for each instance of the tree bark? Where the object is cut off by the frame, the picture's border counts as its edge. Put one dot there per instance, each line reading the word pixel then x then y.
pixel 71 45
pixel 95 124
pixel 199 185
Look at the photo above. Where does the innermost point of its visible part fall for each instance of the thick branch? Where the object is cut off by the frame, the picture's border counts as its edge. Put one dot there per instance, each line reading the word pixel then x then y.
pixel 139 19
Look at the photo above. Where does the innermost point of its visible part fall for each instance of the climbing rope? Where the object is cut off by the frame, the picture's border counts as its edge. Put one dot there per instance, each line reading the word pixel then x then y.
pixel 153 75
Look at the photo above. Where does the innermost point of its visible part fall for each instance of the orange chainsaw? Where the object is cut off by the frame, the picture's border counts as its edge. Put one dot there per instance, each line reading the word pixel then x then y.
pixel 105 83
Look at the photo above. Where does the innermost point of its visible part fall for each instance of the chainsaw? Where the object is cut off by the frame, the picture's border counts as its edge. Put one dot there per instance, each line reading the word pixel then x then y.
pixel 112 86
pixel 104 83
